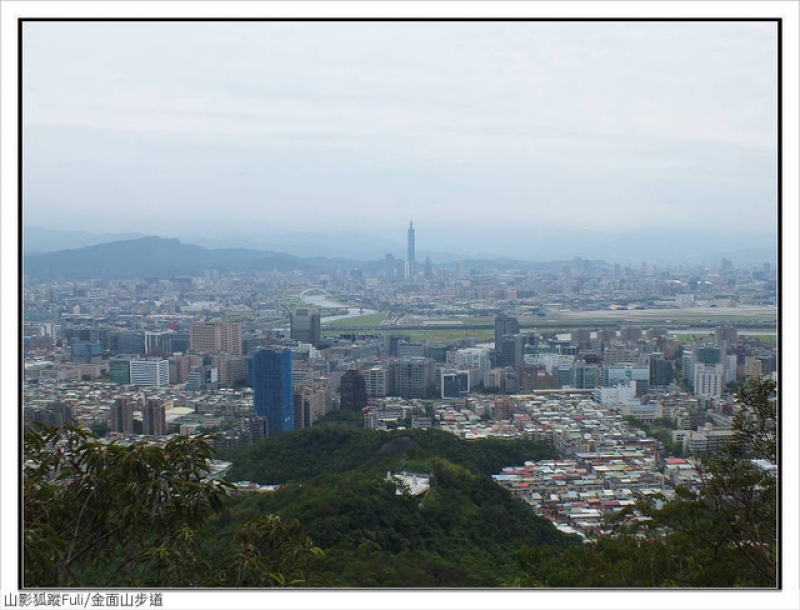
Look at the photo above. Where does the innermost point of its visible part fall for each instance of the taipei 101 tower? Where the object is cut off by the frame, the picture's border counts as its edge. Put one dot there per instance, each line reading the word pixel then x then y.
pixel 412 265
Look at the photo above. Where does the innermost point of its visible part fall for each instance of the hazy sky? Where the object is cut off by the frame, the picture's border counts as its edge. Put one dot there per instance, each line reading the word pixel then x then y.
pixel 175 128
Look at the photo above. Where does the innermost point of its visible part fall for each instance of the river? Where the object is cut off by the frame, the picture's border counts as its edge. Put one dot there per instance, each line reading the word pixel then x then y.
pixel 323 301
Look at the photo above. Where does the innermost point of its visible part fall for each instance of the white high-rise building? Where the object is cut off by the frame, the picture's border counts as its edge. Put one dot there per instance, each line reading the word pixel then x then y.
pixel 709 379
pixel 150 373
pixel 731 362
pixel 474 358
pixel 619 394
pixel 376 381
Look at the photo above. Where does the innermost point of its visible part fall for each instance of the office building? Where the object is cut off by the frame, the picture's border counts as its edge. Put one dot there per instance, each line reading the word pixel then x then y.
pixel 584 376
pixel 153 373
pixel 54 414
pixel 504 325
pixel 305 325
pixel 130 342
pixel 177 342
pixel 688 364
pixel 510 351
pixel 661 371
pixel 415 377
pixel 231 369
pixel 208 338
pixel 725 334
pixel 310 402
pixel 390 266
pixel 197 379
pixel 154 420
pixel 156 343
pixel 352 391
pixel 378 382
pixel 454 383
pixel 731 367
pixel 536 378
pixel 405 348
pixel 85 351
pixel 119 369
pixel 709 379
pixel 121 416
pixel 394 341
pixel 472 357
pixel 272 388
pixel 752 368
pixel 615 374
pixel 494 379
pixel 618 394
pixel 708 354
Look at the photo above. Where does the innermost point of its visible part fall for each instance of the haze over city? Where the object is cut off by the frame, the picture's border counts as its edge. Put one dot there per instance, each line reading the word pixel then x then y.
pixel 476 307
pixel 532 140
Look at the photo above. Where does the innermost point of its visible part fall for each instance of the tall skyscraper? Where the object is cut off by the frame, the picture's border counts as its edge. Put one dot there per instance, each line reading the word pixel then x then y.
pixel 503 325
pixel 272 388
pixel 390 266
pixel 305 325
pixel 414 377
pixel 511 350
pixel 709 379
pixel 352 391
pixel 154 420
pixel 411 249
pixel 122 416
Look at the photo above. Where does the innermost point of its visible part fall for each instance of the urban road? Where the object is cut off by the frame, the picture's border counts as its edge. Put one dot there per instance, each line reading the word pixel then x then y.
pixel 695 327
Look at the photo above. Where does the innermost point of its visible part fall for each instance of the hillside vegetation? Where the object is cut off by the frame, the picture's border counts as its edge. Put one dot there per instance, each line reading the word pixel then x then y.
pixel 464 531
pixel 301 455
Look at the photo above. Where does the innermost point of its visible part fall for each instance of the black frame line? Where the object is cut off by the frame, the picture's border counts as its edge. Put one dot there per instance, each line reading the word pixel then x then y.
pixel 20 267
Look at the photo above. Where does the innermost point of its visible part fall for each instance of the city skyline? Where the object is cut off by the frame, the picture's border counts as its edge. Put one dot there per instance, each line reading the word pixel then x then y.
pixel 500 132
pixel 627 142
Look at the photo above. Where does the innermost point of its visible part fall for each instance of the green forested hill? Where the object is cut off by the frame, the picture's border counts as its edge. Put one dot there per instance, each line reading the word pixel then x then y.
pixel 304 454
pixel 463 532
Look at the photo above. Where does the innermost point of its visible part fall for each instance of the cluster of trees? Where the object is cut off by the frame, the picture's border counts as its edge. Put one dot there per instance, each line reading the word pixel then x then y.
pixel 106 514
pixel 661 430
pixel 466 528
pixel 307 453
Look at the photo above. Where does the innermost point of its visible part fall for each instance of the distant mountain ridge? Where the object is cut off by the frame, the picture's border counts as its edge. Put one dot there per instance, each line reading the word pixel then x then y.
pixel 36 240
pixel 650 245
pixel 164 257
pixel 168 257
pixel 151 257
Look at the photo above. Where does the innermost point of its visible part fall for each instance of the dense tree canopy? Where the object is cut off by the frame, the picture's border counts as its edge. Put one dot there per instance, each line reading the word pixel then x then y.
pixel 107 514
pixel 307 453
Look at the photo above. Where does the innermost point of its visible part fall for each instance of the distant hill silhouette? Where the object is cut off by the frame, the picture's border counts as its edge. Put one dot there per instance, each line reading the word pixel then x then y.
pixel 168 257
pixel 152 257
pixel 36 240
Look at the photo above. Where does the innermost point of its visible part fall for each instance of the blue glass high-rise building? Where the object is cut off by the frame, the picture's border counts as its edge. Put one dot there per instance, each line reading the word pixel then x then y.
pixel 272 388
